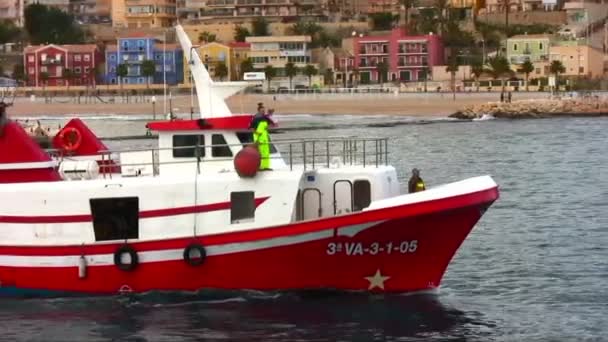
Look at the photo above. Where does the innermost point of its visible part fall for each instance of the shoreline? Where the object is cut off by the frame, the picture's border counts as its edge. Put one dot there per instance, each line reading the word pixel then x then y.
pixel 416 105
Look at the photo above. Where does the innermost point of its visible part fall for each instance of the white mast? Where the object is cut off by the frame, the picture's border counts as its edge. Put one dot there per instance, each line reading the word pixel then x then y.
pixel 210 95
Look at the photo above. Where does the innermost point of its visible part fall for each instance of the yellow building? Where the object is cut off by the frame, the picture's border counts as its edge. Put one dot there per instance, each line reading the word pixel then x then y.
pixel 148 13
pixel 239 51
pixel 213 55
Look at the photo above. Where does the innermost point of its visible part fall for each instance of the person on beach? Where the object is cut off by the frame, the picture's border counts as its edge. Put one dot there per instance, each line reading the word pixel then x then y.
pixel 502 96
pixel 509 97
pixel 416 183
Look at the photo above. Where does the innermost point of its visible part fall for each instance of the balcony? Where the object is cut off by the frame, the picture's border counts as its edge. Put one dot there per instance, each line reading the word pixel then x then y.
pixel 51 61
pixel 221 3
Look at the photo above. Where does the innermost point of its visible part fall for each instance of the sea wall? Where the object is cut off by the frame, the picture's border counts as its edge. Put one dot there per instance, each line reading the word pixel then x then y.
pixel 538 108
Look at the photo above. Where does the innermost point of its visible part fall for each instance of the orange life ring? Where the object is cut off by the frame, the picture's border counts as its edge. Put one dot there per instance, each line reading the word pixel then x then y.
pixel 70 138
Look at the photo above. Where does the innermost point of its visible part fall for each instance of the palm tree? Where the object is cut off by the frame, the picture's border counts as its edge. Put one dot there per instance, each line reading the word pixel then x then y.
pixel 121 72
pixel 270 72
pixel 452 68
pixel 67 76
pixel 443 6
pixel 291 70
pixel 206 37
pixel 310 71
pixel 477 71
pixel 527 67
pixel 382 69
pixel 246 66
pixel 221 70
pixel 499 68
pixel 44 77
pixel 148 68
pixel 328 76
pixel 557 68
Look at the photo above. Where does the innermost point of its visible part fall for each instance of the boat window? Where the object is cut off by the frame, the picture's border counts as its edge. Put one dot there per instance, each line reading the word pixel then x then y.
pixel 217 150
pixel 115 218
pixel 362 193
pixel 242 206
pixel 246 138
pixel 186 144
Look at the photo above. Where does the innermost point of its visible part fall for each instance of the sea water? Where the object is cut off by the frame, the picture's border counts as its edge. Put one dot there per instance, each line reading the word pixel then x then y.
pixel 535 268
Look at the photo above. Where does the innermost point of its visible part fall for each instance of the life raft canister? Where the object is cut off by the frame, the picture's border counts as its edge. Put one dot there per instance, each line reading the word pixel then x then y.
pixel 70 138
pixel 195 254
pixel 126 249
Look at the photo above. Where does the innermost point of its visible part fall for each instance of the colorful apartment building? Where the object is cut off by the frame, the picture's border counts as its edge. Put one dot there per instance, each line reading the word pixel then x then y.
pixel 134 50
pixel 238 9
pixel 409 58
pixel 530 47
pixel 46 65
pixel 279 50
pixel 144 13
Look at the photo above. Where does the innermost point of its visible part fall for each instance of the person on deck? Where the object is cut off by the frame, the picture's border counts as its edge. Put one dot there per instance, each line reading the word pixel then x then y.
pixel 416 183
pixel 261 139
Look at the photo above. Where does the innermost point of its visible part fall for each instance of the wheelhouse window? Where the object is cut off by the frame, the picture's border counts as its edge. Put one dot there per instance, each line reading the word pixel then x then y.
pixel 184 146
pixel 218 146
pixel 242 206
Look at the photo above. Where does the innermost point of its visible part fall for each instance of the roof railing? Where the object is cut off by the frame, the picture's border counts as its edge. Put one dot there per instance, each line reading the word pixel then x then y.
pixel 305 154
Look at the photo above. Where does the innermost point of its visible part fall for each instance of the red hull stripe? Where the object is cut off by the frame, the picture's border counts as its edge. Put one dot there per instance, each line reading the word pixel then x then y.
pixel 484 197
pixel 143 214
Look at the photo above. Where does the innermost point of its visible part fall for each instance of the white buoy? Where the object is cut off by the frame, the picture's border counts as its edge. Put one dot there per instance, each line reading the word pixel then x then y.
pixel 82 267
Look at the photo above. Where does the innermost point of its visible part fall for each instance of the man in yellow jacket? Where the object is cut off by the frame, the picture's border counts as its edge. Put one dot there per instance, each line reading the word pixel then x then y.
pixel 262 141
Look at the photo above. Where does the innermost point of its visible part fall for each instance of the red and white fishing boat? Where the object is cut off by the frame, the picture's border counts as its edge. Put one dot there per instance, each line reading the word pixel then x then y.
pixel 192 215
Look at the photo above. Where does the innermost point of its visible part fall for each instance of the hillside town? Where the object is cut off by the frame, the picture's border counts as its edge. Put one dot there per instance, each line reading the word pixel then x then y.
pixel 305 45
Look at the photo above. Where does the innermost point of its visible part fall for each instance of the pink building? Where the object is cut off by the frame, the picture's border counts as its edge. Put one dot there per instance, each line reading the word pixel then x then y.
pixel 407 56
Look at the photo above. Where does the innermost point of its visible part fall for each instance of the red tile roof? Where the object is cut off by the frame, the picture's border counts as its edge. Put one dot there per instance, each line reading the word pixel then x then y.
pixel 239 44
pixel 76 48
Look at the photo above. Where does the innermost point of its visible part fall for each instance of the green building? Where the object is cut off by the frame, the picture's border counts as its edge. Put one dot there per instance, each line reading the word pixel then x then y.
pixel 528 47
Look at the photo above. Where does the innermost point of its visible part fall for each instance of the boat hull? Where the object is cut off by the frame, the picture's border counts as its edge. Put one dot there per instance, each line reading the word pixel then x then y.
pixel 398 249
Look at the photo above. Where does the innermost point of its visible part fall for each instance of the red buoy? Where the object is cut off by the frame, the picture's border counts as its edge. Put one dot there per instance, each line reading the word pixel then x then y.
pixel 247 161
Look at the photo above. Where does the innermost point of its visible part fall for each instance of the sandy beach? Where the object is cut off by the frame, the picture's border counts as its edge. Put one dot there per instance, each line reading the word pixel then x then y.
pixel 409 104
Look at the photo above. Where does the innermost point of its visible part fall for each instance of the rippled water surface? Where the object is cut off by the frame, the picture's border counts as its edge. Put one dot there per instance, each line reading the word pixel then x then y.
pixel 535 268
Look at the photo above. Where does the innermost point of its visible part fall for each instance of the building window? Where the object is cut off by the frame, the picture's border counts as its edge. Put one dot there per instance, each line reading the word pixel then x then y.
pixel 514 47
pixel 112 57
pixel 77 70
pixel 30 58
pixel 76 58
pixel 32 70
pixel 140 80
pixel 43 57
pixel 86 70
pixel 86 57
pixel 167 68
pixel 218 148
pixel 113 81
pixel 186 145
pixel 112 69
pixel 43 69
pixel 242 206
pixel 159 68
pixel 540 46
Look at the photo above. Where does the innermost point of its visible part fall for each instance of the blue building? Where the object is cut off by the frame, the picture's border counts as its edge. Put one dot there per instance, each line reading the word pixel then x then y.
pixel 133 51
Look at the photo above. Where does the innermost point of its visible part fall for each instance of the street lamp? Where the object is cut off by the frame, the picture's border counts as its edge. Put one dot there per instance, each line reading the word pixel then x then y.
pixel 153 107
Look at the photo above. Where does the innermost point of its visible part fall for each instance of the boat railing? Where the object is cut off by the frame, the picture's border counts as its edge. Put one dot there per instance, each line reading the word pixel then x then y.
pixel 306 154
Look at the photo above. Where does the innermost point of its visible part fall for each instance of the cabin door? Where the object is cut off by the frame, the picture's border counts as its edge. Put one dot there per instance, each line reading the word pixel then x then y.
pixel 343 197
pixel 311 204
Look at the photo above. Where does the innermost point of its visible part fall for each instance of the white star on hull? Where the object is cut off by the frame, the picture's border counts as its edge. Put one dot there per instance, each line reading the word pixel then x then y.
pixel 377 280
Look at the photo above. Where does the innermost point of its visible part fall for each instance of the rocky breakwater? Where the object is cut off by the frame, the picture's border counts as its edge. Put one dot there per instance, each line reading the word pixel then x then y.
pixel 540 108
